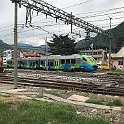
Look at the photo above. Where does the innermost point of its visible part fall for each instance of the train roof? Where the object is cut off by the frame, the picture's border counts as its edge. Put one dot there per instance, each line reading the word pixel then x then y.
pixel 53 57
pixel 74 56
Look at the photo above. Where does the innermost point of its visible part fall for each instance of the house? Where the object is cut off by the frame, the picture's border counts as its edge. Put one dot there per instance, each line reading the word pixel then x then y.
pixel 118 59
pixel 32 54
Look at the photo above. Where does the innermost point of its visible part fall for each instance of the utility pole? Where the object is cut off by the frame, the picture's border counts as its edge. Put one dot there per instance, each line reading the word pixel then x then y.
pixel 15 42
pixel 110 45
pixel 46 54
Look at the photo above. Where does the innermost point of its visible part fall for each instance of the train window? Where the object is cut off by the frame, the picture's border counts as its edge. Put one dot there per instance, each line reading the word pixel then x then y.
pixel 92 59
pixel 48 63
pixel 84 59
pixel 20 62
pixel 72 61
pixel 68 61
pixel 33 63
pixel 36 62
pixel 51 63
pixel 57 63
pixel 24 63
pixel 41 62
pixel 62 61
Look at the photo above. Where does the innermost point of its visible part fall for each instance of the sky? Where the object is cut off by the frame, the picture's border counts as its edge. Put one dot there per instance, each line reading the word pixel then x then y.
pixel 96 12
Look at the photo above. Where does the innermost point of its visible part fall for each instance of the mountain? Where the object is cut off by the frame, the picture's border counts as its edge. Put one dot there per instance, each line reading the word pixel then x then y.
pixel 24 45
pixel 27 47
pixel 4 46
pixel 101 41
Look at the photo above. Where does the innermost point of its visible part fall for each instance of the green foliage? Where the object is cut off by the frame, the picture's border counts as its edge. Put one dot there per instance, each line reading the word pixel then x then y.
pixel 37 112
pixel 62 45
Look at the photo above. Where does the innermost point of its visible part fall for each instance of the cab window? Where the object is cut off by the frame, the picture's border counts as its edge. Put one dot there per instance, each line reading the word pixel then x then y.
pixel 84 59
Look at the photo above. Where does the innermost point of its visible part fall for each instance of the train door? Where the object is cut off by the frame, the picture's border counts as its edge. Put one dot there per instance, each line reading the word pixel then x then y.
pixel 38 64
pixel 51 64
pixel 57 64
pixel 42 65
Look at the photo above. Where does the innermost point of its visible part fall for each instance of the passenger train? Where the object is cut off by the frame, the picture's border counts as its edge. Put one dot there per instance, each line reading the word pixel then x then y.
pixel 74 62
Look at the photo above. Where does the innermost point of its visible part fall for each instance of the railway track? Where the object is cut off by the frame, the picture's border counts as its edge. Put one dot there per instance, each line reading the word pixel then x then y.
pixel 82 86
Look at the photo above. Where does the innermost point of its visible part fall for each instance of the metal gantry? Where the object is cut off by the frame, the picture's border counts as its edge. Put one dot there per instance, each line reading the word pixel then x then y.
pixel 58 14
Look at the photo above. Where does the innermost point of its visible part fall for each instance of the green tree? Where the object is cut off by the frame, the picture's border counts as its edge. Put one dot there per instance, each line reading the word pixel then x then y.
pixel 62 45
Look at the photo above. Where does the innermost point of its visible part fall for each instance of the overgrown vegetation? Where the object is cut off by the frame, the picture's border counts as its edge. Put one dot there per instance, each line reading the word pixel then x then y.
pixel 36 112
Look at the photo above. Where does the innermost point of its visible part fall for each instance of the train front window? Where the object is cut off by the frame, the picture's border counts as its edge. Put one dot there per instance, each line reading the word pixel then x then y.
pixel 84 59
pixel 92 59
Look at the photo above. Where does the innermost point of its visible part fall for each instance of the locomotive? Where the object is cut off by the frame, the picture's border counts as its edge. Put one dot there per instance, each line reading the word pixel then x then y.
pixel 74 62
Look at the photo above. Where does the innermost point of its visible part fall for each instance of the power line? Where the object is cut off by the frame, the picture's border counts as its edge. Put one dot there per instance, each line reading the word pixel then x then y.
pixel 77 4
pixel 101 11
pixel 95 15
pixel 107 10
pixel 34 22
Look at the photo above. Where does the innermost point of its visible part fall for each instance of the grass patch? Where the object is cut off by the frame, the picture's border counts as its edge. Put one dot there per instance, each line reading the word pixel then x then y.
pixel 55 93
pixel 115 102
pixel 96 101
pixel 37 112
pixel 101 101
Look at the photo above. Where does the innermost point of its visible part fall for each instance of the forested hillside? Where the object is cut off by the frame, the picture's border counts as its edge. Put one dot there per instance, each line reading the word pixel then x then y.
pixel 4 46
pixel 101 41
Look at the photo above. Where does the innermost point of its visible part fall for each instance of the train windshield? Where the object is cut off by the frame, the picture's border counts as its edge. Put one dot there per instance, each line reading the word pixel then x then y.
pixel 92 59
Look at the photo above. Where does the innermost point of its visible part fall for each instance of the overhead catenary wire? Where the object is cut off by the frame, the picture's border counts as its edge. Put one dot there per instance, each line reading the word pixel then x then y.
pixel 107 10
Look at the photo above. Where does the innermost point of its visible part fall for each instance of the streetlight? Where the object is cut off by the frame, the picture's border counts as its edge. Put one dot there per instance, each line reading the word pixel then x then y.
pixel 110 45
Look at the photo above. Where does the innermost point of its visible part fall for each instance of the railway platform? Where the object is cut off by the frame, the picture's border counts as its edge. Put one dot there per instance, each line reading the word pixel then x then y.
pixel 27 93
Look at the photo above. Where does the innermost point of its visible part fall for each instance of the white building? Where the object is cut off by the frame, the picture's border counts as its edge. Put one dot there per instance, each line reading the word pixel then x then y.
pixel 7 55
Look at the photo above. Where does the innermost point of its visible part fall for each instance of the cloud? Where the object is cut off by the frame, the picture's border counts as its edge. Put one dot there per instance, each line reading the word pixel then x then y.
pixel 7 19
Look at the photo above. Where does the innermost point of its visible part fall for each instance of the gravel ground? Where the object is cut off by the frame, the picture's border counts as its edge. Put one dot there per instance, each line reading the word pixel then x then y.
pixel 116 117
